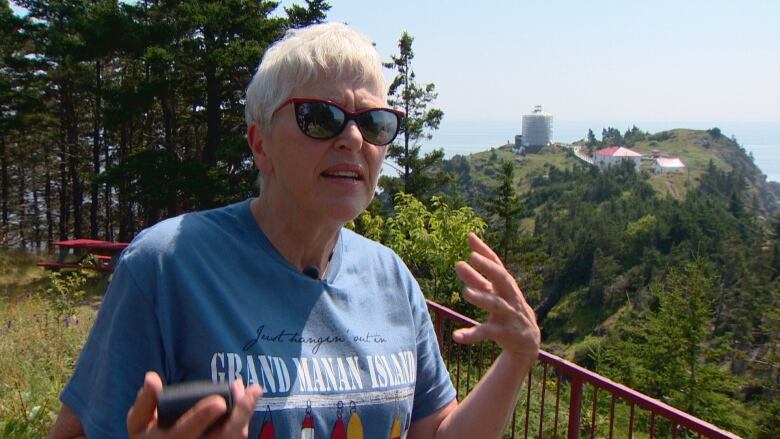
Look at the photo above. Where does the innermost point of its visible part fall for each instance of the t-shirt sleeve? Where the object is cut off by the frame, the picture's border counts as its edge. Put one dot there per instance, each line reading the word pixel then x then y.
pixel 123 344
pixel 433 389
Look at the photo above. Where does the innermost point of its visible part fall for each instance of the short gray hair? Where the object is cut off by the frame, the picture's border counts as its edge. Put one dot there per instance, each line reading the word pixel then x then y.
pixel 305 55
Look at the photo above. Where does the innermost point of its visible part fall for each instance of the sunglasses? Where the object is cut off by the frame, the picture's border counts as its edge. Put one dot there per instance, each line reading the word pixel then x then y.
pixel 321 119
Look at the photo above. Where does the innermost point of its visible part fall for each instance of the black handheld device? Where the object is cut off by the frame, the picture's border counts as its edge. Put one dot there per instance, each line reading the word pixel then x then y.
pixel 176 399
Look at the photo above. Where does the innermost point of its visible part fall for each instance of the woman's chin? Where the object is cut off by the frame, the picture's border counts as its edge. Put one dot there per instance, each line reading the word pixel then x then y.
pixel 343 214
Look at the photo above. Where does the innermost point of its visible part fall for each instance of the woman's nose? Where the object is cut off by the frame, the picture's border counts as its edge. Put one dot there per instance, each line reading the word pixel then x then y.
pixel 351 138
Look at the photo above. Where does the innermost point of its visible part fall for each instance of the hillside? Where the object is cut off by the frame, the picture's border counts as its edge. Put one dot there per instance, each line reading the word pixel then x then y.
pixel 617 263
pixel 702 151
pixel 475 173
pixel 696 148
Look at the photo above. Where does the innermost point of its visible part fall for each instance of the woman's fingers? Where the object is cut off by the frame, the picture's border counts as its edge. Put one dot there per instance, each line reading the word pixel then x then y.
pixel 144 410
pixel 521 337
pixel 503 283
pixel 484 275
pixel 474 334
pixel 485 265
pixel 199 418
pixel 479 246
pixel 471 277
pixel 491 303
pixel 243 409
pixel 485 261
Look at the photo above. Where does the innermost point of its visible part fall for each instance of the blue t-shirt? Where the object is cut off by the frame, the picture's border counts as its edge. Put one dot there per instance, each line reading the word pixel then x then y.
pixel 206 296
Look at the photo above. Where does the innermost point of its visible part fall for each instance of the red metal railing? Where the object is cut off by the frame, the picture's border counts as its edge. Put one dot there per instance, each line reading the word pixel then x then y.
pixel 634 412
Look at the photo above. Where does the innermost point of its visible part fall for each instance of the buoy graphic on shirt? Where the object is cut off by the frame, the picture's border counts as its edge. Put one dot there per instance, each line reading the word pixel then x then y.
pixel 395 431
pixel 339 430
pixel 267 430
pixel 354 426
pixel 307 429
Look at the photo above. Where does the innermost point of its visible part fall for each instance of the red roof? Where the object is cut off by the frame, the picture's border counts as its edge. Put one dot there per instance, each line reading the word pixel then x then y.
pixel 617 151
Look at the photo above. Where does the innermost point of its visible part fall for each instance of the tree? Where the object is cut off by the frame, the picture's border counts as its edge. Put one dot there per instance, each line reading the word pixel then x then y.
pixel 12 41
pixel 97 94
pixel 611 136
pixel 430 240
pixel 591 140
pixel 56 42
pixel 667 355
pixel 221 43
pixel 715 132
pixel 506 206
pixel 634 135
pixel 416 176
pixel 314 12
pixel 769 369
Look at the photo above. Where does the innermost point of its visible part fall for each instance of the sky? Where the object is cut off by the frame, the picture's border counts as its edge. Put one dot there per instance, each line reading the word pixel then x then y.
pixel 691 60
pixel 695 61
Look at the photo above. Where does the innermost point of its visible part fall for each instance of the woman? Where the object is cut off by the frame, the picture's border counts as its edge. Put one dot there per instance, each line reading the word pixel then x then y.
pixel 275 293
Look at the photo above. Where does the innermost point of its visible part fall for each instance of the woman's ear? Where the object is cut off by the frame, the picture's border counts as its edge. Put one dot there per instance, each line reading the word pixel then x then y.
pixel 256 138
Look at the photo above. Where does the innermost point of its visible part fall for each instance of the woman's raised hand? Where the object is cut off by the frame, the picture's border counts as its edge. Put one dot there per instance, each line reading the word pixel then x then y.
pixel 488 285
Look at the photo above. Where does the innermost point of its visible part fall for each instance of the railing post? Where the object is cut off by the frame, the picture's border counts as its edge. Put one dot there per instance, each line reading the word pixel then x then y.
pixel 575 407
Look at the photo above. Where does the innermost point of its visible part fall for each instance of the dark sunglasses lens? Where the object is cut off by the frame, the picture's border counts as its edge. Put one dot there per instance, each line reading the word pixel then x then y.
pixel 378 126
pixel 318 119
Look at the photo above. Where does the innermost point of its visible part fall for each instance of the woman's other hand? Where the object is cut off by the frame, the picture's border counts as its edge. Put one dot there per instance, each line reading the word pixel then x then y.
pixel 142 417
pixel 488 285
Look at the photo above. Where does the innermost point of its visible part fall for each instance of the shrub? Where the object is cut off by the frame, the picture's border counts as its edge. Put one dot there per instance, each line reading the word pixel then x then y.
pixel 41 335
pixel 65 291
pixel 39 351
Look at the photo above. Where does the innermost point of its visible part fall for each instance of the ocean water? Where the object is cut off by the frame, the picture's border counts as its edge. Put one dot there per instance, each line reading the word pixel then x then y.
pixel 467 137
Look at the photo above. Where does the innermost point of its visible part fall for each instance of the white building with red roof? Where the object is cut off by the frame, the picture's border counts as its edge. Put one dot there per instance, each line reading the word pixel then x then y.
pixel 663 165
pixel 615 155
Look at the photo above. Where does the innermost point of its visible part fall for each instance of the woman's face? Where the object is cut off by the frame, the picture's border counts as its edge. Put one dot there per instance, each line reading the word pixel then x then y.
pixel 329 180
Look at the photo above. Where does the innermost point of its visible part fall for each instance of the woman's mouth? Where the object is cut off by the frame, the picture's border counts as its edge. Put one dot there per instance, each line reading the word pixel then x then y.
pixel 352 175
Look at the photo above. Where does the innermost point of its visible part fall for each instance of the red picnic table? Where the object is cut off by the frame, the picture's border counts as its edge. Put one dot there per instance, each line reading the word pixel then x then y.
pixel 73 253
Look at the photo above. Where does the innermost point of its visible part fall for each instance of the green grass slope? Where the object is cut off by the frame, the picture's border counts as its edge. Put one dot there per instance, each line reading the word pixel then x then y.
pixel 476 174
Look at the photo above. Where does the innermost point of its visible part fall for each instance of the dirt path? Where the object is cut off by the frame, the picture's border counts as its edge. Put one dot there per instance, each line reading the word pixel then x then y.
pixel 672 190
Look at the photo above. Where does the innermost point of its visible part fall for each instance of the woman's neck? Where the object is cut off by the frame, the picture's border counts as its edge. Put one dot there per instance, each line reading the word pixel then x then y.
pixel 303 242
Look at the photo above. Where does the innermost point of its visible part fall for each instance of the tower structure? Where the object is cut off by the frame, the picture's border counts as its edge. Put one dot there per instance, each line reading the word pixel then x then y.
pixel 537 128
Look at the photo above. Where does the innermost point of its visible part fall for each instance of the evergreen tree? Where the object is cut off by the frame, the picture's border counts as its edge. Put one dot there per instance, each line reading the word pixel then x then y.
pixel 611 136
pixel 634 135
pixel 506 206
pixel 221 43
pixel 12 42
pixel 667 356
pixel 417 176
pixel 137 111
pixel 314 12
pixel 591 141
pixel 769 372
pixel 56 39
